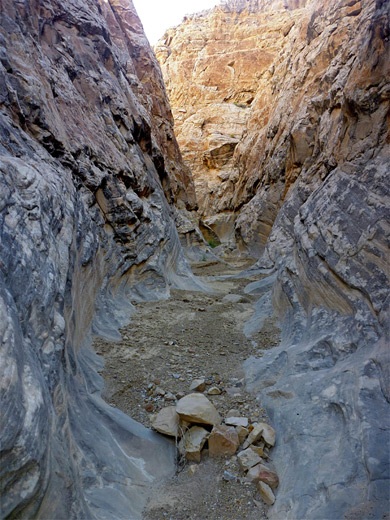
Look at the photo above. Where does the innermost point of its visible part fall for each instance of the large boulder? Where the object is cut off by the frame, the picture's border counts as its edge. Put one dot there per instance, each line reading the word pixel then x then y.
pixel 196 408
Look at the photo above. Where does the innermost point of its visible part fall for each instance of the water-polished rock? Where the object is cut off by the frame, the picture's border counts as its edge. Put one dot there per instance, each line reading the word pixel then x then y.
pixel 89 175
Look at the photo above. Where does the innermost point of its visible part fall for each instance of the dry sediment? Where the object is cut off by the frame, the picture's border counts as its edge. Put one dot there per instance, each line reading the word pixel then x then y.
pixel 169 344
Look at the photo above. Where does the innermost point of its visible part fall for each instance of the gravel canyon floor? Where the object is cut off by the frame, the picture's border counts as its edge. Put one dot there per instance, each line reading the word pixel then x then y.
pixel 167 345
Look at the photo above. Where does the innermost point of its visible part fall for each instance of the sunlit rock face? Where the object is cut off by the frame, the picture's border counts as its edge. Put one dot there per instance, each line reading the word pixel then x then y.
pixel 213 64
pixel 311 200
pixel 90 174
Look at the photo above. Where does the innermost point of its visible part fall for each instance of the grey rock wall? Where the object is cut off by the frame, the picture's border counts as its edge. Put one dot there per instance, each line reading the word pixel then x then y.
pixel 89 173
pixel 326 387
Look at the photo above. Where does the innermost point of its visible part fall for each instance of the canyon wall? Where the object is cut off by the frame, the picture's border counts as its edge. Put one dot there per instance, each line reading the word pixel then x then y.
pixel 305 186
pixel 91 179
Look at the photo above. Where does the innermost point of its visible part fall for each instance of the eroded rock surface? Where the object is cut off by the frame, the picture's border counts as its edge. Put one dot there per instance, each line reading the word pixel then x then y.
pixel 309 192
pixel 90 171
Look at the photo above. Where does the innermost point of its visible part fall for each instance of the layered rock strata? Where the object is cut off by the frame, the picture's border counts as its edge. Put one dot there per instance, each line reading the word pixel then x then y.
pixel 90 174
pixel 213 65
pixel 311 199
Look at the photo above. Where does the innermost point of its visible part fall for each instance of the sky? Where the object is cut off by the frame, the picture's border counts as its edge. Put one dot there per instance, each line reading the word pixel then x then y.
pixel 159 15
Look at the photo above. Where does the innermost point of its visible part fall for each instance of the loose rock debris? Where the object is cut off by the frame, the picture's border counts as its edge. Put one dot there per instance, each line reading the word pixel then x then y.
pixel 169 348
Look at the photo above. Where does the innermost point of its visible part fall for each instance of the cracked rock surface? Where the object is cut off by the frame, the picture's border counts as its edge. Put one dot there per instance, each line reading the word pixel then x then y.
pixel 89 173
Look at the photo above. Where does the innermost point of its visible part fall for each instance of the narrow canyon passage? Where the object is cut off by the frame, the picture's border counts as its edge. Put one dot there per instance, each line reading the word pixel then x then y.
pixel 167 345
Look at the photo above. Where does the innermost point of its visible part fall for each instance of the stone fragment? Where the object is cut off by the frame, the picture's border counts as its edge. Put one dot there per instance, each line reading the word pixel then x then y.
pixel 233 413
pixel 169 397
pixel 167 421
pixel 229 477
pixel 214 390
pixel 193 469
pixel 258 449
pixel 192 443
pixel 196 408
pixel 248 458
pixel 237 421
pixel 268 434
pixel 242 433
pixel 266 493
pixel 255 434
pixel 197 385
pixel 263 473
pixel 159 391
pixel 223 441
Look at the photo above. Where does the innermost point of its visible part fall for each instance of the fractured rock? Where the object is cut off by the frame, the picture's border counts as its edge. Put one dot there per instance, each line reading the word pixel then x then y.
pixel 237 421
pixel 268 434
pixel 196 408
pixel 261 431
pixel 167 421
pixel 223 441
pixel 192 443
pixel 266 493
pixel 248 458
pixel 242 433
pixel 263 473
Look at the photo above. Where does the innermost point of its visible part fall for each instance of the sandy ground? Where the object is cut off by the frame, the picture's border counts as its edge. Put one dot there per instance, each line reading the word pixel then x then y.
pixel 166 346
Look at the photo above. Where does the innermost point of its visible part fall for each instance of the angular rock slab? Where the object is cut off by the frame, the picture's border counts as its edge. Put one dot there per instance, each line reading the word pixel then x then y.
pixel 266 493
pixel 196 408
pixel 248 458
pixel 263 473
pixel 192 443
pixel 167 421
pixel 223 441
pixel 261 431
pixel 237 421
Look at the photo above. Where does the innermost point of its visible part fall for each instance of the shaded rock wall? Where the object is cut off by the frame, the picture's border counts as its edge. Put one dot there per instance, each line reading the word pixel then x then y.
pixel 90 171
pixel 311 200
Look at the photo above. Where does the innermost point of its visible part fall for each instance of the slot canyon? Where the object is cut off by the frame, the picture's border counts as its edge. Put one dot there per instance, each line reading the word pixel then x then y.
pixel 195 262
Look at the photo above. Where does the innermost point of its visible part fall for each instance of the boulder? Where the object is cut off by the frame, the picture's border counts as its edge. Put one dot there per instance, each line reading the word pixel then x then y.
pixel 223 441
pixel 167 421
pixel 196 408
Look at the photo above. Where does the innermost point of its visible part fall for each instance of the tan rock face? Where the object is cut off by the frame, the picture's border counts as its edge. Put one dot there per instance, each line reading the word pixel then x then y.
pixel 223 441
pixel 212 65
pixel 196 408
pixel 257 92
pixel 263 473
pixel 167 422
pixel 192 443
